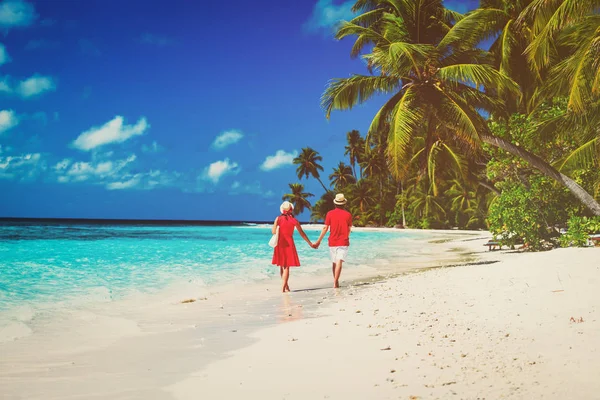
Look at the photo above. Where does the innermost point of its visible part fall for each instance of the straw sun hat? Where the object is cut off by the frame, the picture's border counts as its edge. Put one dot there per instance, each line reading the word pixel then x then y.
pixel 339 199
pixel 286 205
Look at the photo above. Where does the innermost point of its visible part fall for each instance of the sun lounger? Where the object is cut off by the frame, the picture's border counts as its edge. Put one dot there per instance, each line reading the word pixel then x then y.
pixel 492 245
pixel 595 239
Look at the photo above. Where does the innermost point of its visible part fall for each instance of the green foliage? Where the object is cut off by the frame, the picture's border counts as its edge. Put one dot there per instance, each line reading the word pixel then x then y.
pixel 424 162
pixel 528 215
pixel 579 229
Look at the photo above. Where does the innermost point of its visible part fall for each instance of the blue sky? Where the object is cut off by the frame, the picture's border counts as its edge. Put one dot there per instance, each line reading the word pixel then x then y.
pixel 167 109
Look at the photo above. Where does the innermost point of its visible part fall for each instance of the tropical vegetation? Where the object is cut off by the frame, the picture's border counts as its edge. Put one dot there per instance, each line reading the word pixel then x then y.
pixel 491 119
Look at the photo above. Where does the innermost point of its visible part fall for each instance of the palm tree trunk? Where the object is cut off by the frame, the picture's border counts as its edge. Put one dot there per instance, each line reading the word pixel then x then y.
pixel 402 194
pixel 326 190
pixel 545 168
pixel 489 187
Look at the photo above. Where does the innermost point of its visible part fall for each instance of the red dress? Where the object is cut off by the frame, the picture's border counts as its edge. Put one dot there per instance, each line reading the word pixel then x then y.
pixel 285 254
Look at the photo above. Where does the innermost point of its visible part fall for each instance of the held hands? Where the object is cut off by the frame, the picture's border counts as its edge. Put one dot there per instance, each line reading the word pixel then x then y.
pixel 315 245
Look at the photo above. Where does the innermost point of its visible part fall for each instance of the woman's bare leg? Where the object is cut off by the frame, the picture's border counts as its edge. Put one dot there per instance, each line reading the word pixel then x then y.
pixel 285 276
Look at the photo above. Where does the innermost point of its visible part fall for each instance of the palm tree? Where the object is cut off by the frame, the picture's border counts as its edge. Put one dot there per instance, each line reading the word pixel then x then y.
pixel 354 149
pixel 433 85
pixel 498 19
pixel 567 44
pixel 341 176
pixel 425 204
pixel 361 195
pixel 308 164
pixel 322 207
pixel 551 18
pixel 298 197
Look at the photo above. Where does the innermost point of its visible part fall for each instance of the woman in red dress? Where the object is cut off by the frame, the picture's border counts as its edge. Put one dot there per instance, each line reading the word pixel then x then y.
pixel 285 254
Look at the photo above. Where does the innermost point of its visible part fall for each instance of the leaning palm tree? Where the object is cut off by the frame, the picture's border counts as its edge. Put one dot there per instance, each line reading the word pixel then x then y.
pixel 308 165
pixel 433 87
pixel 341 176
pixel 567 45
pixel 298 197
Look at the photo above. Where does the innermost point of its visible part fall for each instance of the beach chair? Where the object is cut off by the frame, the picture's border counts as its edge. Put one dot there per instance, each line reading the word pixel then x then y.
pixel 493 245
pixel 595 239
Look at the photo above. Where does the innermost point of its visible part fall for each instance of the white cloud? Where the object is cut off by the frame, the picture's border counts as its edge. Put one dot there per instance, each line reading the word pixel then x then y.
pixel 112 174
pixel 215 171
pixel 96 171
pixel 62 165
pixel 327 15
pixel 145 180
pixel 24 167
pixel 8 120
pixel 35 86
pixel 128 184
pixel 4 57
pixel 16 14
pixel 114 131
pixel 227 138
pixel 280 159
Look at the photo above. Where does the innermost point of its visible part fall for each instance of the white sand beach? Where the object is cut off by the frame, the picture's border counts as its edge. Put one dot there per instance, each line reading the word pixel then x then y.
pixel 499 324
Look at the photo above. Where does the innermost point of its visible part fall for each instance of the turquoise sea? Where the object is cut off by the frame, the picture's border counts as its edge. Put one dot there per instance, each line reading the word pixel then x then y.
pixel 61 263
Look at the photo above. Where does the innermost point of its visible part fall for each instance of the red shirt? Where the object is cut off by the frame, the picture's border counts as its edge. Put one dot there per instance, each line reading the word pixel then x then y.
pixel 339 222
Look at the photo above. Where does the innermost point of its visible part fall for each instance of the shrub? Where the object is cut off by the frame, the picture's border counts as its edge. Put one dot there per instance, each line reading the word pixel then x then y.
pixel 526 215
pixel 578 230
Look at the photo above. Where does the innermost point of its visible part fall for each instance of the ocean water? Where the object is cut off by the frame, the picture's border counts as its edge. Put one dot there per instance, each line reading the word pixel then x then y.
pixel 43 264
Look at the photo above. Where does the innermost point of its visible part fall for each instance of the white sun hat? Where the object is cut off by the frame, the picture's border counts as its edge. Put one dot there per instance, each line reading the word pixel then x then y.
pixel 339 199
pixel 286 205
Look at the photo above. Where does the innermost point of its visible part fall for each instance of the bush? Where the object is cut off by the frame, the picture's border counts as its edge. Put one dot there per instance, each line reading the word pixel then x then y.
pixel 525 215
pixel 578 230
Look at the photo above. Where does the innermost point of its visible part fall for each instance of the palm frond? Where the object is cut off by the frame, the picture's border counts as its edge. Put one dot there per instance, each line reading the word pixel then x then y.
pixel 368 18
pixel 507 42
pixel 585 156
pixel 466 122
pixel 477 26
pixel 407 116
pixel 431 166
pixel 479 75
pixel 461 166
pixel 364 36
pixel 345 93
pixel 550 17
pixel 416 53
pixel 383 115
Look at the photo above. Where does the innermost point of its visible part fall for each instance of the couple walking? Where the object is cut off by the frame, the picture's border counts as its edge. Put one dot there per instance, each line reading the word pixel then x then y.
pixel 338 221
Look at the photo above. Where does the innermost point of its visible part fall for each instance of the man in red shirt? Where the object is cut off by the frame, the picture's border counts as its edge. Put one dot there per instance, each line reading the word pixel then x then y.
pixel 339 222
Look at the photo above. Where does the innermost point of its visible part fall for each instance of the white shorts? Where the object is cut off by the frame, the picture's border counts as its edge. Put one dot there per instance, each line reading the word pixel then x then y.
pixel 338 253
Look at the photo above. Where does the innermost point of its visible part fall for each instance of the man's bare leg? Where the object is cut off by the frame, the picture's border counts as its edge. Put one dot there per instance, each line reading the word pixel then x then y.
pixel 336 273
pixel 285 276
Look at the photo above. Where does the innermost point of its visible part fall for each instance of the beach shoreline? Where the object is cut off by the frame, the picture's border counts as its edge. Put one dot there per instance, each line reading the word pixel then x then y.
pixel 250 337
pixel 86 340
pixel 513 325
